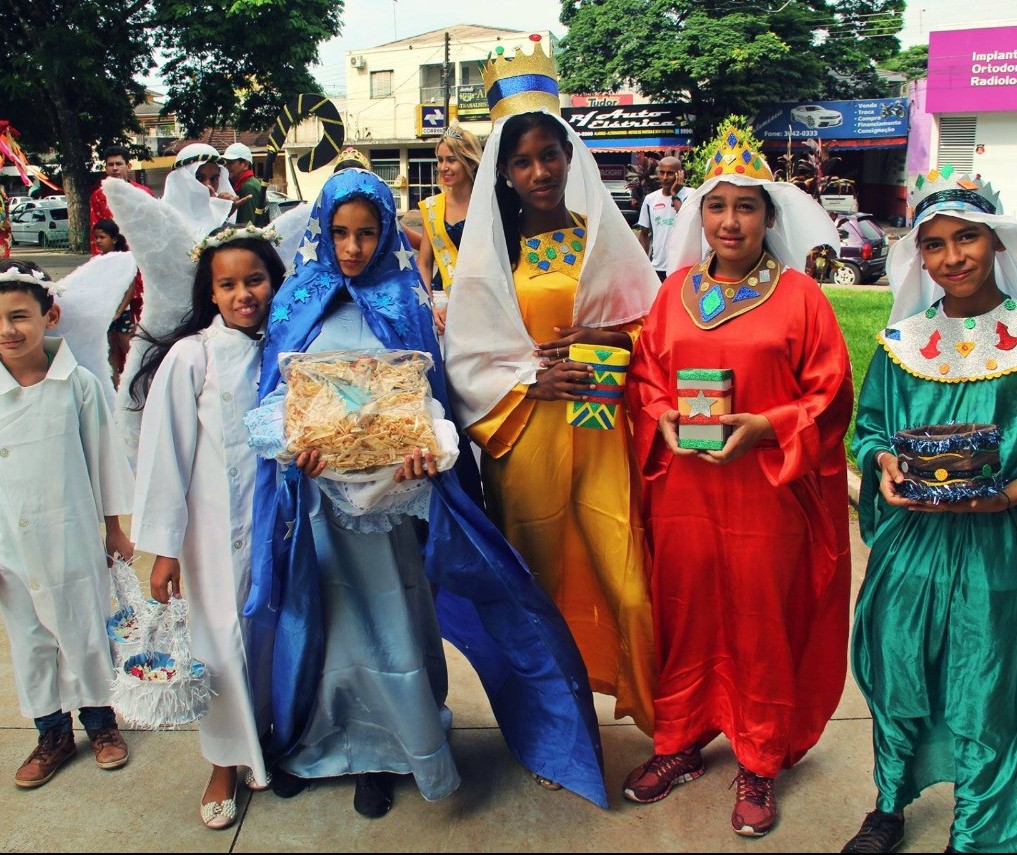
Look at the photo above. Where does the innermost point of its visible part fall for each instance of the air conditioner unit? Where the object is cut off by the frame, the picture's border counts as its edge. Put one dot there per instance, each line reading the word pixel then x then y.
pixel 357 61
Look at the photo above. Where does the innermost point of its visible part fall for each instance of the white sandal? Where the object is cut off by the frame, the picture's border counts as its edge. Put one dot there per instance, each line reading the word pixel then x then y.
pixel 252 783
pixel 219 815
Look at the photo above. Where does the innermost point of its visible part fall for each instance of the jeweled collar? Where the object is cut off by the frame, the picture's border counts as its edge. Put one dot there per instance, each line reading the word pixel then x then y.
pixel 558 251
pixel 932 346
pixel 711 302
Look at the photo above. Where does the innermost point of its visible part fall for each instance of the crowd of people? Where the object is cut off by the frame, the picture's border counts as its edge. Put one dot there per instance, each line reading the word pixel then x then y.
pixel 703 584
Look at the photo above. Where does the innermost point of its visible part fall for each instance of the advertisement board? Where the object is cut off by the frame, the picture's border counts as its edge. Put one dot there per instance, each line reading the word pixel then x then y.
pixel 972 71
pixel 631 125
pixel 472 103
pixel 834 120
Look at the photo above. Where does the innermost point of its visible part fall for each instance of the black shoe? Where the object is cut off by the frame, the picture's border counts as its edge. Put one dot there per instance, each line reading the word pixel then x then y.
pixel 286 786
pixel 880 832
pixel 373 795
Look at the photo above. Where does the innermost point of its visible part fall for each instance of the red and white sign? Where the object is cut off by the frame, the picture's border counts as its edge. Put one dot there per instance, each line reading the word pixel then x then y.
pixel 607 99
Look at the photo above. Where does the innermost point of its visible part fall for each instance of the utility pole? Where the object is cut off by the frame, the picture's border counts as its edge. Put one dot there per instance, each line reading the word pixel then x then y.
pixel 445 73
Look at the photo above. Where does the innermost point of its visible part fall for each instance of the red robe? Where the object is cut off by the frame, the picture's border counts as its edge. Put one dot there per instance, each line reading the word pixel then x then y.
pixel 751 570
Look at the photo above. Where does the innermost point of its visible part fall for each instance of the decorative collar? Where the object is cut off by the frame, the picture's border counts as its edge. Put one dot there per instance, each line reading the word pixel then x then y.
pixel 560 251
pixel 711 302
pixel 935 347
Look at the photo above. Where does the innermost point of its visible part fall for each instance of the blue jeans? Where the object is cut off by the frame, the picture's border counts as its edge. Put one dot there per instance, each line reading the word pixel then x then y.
pixel 93 719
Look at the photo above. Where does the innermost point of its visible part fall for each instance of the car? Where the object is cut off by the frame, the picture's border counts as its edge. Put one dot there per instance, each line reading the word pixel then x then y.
pixel 861 257
pixel 277 203
pixel 45 225
pixel 815 116
pixel 17 204
pixel 622 195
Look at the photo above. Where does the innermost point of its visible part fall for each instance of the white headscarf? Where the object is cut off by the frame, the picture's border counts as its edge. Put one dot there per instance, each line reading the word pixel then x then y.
pixel 190 197
pixel 912 287
pixel 487 348
pixel 801 224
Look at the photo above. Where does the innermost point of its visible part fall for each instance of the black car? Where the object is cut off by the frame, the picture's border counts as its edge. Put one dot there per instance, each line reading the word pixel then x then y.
pixel 861 257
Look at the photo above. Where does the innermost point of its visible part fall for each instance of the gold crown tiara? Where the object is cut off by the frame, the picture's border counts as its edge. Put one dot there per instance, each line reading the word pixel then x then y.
pixel 523 83
pixel 734 157
pixel 943 189
pixel 350 153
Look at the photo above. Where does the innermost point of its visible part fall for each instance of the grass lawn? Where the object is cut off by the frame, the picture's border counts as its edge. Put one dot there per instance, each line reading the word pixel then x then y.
pixel 862 313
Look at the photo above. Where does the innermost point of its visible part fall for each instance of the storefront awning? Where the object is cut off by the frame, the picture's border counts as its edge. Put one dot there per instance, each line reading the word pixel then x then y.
pixel 638 144
pixel 842 145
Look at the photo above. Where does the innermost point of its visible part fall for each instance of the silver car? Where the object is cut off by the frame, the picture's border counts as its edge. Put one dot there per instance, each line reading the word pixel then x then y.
pixel 45 225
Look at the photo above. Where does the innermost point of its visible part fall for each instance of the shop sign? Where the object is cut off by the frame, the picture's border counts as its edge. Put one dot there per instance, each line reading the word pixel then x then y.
pixel 972 71
pixel 472 102
pixel 660 125
pixel 834 120
pixel 602 99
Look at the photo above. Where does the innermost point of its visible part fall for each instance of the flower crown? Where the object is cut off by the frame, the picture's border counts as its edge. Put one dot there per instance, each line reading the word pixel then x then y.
pixel 35 277
pixel 231 233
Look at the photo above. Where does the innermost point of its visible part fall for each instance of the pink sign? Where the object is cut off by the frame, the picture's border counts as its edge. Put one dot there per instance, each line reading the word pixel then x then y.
pixel 972 71
pixel 608 99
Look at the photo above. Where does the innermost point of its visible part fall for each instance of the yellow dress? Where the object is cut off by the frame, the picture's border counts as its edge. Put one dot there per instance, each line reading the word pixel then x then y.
pixel 568 499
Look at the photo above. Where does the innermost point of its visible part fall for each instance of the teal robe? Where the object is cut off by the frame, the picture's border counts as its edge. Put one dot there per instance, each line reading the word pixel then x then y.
pixel 933 649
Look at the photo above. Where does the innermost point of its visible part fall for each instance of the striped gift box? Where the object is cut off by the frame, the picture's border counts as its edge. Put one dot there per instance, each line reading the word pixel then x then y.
pixel 704 395
pixel 610 365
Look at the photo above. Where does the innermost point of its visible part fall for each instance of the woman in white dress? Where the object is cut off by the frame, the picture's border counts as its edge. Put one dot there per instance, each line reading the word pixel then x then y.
pixel 195 488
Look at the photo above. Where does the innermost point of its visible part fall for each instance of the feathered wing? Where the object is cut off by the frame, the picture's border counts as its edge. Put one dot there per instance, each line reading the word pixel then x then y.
pixel 161 241
pixel 291 226
pixel 89 305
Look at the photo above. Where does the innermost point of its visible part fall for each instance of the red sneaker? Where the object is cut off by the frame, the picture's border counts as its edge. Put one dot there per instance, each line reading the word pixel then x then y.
pixel 662 773
pixel 755 810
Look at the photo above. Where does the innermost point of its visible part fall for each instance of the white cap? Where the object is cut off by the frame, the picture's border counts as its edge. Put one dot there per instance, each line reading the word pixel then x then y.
pixel 238 151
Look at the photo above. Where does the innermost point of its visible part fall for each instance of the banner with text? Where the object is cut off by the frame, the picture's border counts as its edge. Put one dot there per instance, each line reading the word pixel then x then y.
pixel 972 71
pixel 834 120
pixel 633 126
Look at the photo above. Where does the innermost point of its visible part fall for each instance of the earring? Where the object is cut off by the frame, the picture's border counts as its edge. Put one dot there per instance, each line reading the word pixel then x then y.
pixel 924 267
pixel 509 183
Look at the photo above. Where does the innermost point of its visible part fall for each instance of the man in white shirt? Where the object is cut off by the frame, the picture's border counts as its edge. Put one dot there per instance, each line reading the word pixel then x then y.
pixel 657 214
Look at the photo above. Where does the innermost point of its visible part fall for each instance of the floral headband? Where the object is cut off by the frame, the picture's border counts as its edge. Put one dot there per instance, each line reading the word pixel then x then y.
pixel 232 233
pixel 35 277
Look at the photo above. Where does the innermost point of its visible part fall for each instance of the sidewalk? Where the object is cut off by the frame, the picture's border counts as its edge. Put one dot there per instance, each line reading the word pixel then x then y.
pixel 151 805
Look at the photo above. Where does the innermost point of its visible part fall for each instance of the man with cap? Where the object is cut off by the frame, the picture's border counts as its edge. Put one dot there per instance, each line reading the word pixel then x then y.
pixel 239 164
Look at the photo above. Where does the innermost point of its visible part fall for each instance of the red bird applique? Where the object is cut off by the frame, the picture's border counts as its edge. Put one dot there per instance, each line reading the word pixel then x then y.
pixel 931 350
pixel 1006 341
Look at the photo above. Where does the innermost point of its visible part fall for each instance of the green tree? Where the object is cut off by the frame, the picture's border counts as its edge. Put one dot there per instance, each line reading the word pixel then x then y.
pixel 913 62
pixel 728 56
pixel 71 73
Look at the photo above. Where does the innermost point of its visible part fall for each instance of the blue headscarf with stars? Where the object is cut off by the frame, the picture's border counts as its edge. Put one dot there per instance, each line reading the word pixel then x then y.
pixel 488 604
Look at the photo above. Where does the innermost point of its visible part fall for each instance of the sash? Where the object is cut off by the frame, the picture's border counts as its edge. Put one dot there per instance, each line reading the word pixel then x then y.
pixel 445 250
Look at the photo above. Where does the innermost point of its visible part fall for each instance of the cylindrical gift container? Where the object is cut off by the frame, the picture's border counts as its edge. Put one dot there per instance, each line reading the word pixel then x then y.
pixel 610 365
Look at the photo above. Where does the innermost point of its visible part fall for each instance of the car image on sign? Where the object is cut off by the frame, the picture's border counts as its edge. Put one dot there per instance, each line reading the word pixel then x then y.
pixel 814 116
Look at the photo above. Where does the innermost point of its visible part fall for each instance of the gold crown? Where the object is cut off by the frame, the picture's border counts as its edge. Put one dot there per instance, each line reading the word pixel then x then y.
pixel 943 190
pixel 350 153
pixel 734 157
pixel 523 83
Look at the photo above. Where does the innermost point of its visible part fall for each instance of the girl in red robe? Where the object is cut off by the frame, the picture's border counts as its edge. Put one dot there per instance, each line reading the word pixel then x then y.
pixel 751 569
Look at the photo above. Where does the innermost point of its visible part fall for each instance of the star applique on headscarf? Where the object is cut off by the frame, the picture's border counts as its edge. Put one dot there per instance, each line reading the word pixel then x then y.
pixel 701 405
pixel 405 257
pixel 301 295
pixel 308 251
pixel 423 298
pixel 280 313
pixel 314 227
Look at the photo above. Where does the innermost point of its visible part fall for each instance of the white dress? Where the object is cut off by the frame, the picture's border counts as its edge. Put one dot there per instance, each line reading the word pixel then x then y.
pixel 194 502
pixel 62 469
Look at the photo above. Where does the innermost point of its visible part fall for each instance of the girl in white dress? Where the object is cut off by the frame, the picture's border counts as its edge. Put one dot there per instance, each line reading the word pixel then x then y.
pixel 195 487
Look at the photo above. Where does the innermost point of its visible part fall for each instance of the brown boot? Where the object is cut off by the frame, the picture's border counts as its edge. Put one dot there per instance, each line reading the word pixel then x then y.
pixel 109 747
pixel 54 749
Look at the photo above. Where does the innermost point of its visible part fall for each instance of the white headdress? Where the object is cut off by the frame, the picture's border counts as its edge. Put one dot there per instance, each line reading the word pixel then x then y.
pixel 487 348
pixel 190 197
pixel 944 193
pixel 800 226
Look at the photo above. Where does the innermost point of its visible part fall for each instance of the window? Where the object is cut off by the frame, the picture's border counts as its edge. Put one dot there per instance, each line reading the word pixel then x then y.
pixel 423 181
pixel 381 84
pixel 431 89
pixel 957 142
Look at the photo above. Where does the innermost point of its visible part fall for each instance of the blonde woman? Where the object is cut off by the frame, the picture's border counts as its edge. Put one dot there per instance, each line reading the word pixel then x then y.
pixel 458 154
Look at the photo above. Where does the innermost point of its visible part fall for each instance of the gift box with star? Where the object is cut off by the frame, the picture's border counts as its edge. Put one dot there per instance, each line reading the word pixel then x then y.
pixel 704 395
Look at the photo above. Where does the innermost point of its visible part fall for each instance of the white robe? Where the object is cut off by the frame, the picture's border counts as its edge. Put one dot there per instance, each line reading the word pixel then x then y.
pixel 194 502
pixel 62 469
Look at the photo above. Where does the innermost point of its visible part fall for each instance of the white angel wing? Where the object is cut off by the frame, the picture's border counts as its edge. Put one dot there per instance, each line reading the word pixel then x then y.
pixel 89 305
pixel 291 226
pixel 161 241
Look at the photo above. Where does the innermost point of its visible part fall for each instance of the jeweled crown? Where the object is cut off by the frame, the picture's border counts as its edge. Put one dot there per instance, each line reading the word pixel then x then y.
pixel 944 189
pixel 350 153
pixel 521 83
pixel 734 157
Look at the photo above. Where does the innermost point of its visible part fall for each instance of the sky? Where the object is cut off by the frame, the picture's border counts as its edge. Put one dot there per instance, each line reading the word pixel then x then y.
pixel 369 23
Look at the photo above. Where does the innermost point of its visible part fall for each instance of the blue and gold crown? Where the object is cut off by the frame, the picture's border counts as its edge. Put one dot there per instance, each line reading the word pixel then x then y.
pixel 943 189
pixel 734 157
pixel 523 83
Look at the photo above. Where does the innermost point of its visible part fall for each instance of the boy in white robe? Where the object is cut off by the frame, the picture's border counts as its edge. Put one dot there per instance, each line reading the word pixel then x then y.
pixel 63 473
